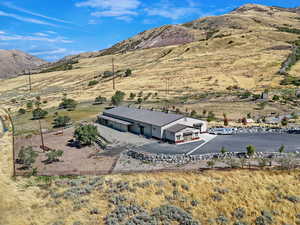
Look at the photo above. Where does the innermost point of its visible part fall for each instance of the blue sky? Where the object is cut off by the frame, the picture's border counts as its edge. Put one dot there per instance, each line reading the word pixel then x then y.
pixel 52 29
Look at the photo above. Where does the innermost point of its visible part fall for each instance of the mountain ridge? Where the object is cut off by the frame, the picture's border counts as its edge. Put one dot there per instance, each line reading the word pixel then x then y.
pixel 199 29
pixel 15 62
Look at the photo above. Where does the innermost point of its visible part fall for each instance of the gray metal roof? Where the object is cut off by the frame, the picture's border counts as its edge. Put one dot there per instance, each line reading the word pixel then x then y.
pixel 142 115
pixel 115 120
pixel 176 128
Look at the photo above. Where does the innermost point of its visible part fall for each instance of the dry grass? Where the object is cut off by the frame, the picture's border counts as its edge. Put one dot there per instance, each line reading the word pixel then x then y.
pixel 25 204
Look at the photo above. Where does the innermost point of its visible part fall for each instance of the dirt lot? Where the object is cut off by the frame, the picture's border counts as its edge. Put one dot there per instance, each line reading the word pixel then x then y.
pixel 74 160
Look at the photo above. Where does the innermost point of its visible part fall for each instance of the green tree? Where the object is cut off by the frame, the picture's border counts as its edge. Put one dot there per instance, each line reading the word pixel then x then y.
pixel 250 150
pixel 211 163
pixel 54 155
pixel 281 149
pixel 27 156
pixel 99 100
pixel 22 111
pixel 276 98
pixel 193 113
pixel 139 101
pixel 68 103
pixel 128 72
pixel 284 121
pixel 39 114
pixel 211 116
pixel 29 105
pixel 86 134
pixel 223 150
pixel 93 82
pixel 117 98
pixel 132 96
pixel 61 121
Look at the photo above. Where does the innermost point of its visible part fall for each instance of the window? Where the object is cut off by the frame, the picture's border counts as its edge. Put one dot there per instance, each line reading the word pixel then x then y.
pixel 178 137
pixel 196 134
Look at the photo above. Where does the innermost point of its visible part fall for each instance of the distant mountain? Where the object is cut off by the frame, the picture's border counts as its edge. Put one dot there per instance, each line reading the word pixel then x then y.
pixel 247 18
pixel 15 62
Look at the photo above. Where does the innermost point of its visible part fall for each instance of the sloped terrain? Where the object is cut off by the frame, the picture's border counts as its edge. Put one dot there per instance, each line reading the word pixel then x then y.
pixel 244 48
pixel 15 62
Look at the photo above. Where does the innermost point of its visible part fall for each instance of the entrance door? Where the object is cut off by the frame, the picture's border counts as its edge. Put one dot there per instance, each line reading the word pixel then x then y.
pixel 142 130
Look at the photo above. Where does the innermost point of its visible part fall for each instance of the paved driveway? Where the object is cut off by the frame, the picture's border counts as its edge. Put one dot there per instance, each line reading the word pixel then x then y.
pixel 262 142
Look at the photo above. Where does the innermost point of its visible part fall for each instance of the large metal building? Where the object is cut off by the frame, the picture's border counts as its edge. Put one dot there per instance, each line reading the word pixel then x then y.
pixel 154 124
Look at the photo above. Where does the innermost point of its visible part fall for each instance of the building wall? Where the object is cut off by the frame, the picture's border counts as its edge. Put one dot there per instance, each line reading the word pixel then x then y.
pixel 135 128
pixel 170 136
pixel 191 121
pixel 117 126
pixel 156 132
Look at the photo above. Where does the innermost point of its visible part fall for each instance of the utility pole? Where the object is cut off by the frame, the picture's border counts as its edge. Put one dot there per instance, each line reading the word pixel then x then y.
pixel 42 137
pixel 29 80
pixel 113 71
pixel 13 140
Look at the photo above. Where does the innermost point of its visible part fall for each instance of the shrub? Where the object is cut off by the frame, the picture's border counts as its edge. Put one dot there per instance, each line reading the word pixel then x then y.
pixel 99 100
pixel 117 98
pixel 39 114
pixel 22 111
pixel 61 121
pixel 284 121
pixel 239 213
pixel 93 82
pixel 107 74
pixel 29 105
pixel 132 96
pixel 211 116
pixel 68 103
pixel 222 220
pixel 128 73
pixel 250 150
pixel 139 101
pixel 223 150
pixel 53 156
pixel 276 98
pixel 86 134
pixel 27 156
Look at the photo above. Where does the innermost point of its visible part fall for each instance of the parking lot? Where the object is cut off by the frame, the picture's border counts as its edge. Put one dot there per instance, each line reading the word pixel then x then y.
pixel 262 142
pixel 234 143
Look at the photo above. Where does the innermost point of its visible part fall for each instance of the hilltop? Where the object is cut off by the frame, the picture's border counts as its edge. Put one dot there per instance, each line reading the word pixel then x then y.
pixel 15 62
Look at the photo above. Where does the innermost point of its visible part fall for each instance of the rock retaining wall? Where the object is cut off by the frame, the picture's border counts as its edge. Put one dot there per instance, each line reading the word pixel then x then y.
pixel 183 158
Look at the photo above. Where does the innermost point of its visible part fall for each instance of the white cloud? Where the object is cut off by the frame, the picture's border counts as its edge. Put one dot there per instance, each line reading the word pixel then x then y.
pixel 50 52
pixel 34 38
pixel 41 34
pixel 2 32
pixel 26 19
pixel 122 9
pixel 51 32
pixel 12 6
pixel 171 13
pixel 92 21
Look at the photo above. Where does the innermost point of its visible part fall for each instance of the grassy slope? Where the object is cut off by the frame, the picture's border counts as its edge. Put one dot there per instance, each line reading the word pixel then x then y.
pixel 25 204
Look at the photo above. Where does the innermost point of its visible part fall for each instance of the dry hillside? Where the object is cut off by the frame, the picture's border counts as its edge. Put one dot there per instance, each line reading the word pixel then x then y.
pixel 243 48
pixel 247 197
pixel 15 62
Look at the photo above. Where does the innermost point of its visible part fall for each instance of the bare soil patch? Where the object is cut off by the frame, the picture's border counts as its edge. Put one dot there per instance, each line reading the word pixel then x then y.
pixel 83 161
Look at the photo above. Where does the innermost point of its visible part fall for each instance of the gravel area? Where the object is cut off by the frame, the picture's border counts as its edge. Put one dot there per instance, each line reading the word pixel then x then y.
pixel 118 138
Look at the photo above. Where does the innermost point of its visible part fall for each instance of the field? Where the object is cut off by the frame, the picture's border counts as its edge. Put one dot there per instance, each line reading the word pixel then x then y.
pixel 208 197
